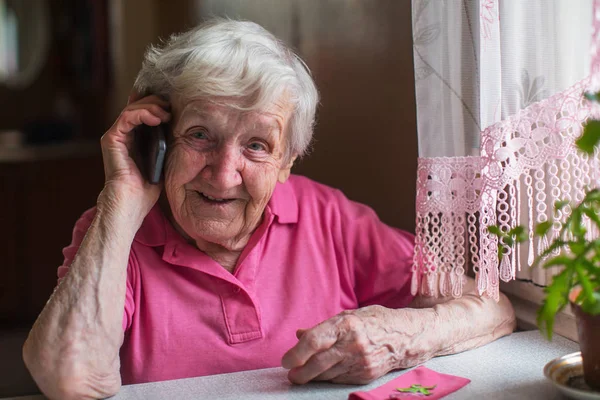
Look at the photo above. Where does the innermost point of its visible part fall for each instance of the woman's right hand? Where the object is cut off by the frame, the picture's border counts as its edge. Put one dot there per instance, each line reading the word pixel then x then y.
pixel 123 179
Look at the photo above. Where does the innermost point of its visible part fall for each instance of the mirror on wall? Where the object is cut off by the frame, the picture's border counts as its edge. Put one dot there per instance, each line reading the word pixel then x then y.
pixel 24 41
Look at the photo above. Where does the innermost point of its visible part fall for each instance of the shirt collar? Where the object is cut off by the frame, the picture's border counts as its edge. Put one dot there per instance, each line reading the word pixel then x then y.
pixel 283 205
pixel 153 230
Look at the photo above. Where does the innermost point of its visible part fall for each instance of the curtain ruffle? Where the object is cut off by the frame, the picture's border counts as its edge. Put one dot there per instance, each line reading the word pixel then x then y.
pixel 531 156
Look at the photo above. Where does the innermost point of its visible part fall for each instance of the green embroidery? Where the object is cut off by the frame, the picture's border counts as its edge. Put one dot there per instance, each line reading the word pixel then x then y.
pixel 418 389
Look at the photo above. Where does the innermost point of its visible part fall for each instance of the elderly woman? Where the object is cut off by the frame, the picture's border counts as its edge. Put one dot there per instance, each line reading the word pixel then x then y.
pixel 232 263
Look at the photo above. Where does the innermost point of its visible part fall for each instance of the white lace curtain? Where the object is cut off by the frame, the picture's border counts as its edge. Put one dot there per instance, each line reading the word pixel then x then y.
pixel 499 103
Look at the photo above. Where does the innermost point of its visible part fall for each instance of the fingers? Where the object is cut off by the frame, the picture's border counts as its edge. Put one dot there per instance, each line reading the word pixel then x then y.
pixel 312 341
pixel 353 347
pixel 316 366
pixel 118 144
pixel 338 369
pixel 149 115
pixel 337 365
pixel 354 372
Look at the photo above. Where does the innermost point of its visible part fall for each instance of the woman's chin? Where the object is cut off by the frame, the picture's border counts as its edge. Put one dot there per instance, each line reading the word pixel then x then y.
pixel 221 224
pixel 217 232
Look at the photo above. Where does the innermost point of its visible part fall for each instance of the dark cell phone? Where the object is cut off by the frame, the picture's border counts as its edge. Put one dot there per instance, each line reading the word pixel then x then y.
pixel 151 145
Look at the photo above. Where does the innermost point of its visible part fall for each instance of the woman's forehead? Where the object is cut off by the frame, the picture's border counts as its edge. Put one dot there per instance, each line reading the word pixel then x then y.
pixel 275 115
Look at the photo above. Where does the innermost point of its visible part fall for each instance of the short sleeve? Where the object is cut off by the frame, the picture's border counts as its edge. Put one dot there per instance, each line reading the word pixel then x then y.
pixel 79 231
pixel 379 256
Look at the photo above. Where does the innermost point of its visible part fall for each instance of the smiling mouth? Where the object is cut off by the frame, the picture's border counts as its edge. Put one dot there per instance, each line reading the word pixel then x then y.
pixel 214 200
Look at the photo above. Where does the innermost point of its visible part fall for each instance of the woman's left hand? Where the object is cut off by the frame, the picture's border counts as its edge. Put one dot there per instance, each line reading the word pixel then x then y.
pixel 359 346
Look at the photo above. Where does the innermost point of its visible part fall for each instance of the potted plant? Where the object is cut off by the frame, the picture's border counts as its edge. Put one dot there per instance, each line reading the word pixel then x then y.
pixel 578 284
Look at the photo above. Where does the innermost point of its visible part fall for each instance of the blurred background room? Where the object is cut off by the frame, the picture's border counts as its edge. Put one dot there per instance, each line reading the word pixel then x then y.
pixel 66 70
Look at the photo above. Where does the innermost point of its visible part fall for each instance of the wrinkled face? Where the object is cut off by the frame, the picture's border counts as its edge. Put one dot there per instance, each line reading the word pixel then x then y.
pixel 222 168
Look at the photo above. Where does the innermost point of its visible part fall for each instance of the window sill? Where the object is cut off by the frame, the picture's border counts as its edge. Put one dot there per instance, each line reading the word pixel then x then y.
pixel 526 299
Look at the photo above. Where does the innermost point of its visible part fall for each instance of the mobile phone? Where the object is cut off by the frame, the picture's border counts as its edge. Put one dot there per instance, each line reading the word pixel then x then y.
pixel 151 145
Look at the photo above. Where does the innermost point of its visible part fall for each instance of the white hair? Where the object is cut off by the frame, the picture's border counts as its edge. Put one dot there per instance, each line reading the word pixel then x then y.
pixel 225 59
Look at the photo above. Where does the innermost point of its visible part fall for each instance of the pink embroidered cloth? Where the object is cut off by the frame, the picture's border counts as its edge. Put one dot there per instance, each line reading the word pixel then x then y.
pixel 421 382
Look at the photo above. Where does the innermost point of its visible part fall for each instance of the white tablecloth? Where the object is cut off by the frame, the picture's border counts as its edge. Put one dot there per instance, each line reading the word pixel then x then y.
pixel 510 368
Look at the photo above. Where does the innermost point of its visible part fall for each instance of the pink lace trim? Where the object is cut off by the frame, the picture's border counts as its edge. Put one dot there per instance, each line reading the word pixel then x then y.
pixel 529 156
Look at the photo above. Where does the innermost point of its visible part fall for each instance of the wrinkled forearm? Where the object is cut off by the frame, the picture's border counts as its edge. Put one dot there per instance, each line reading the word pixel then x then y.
pixel 455 325
pixel 358 346
pixel 471 321
pixel 73 348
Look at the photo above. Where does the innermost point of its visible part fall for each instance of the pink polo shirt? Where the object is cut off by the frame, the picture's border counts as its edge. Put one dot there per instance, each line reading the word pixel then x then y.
pixel 315 254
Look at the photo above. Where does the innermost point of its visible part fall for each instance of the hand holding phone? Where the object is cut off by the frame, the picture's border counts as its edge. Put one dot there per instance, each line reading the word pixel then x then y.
pixel 151 146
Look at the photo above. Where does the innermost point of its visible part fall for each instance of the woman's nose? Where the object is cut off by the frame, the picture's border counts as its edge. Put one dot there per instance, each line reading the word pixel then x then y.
pixel 223 169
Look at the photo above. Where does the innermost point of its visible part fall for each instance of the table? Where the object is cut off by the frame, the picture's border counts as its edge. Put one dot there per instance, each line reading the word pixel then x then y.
pixel 510 368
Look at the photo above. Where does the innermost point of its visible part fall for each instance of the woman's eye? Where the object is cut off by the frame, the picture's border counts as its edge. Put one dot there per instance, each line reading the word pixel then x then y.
pixel 201 135
pixel 257 146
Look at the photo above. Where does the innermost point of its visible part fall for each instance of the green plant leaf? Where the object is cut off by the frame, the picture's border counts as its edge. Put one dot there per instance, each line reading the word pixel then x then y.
pixel 592 269
pixel 595 97
pixel 577 247
pixel 542 228
pixel 556 244
pixel 590 137
pixel 517 230
pixel 555 301
pixel 559 205
pixel 494 230
pixel 592 305
pixel 574 223
pixel 592 196
pixel 558 261
pixel 584 280
pixel 592 216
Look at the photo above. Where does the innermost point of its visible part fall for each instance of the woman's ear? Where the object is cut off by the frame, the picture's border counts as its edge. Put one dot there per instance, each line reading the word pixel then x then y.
pixel 284 172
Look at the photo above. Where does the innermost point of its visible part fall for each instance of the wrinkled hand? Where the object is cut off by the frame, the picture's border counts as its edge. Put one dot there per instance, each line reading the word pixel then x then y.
pixel 121 173
pixel 359 346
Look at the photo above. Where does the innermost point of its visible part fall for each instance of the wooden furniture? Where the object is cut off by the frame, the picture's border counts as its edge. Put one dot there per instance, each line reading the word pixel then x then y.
pixel 42 193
